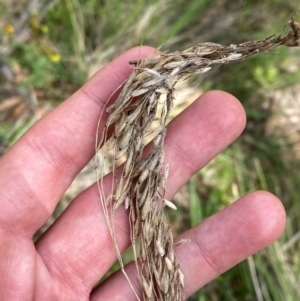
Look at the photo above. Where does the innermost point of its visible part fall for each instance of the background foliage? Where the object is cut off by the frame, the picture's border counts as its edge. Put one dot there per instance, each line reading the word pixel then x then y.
pixel 49 48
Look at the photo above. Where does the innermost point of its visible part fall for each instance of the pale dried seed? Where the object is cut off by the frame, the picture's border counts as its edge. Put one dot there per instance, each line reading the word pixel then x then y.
pixel 204 53
pixel 139 167
pixel 136 229
pixel 162 90
pixel 164 178
pixel 141 77
pixel 153 72
pixel 119 189
pixel 159 248
pixel 139 92
pixel 153 59
pixel 153 82
pixel 145 209
pixel 183 241
pixel 147 274
pixel 207 48
pixel 165 59
pixel 127 202
pixel 161 286
pixel 202 70
pixel 172 293
pixel 169 264
pixel 128 164
pixel 149 115
pixel 234 56
pixel 188 54
pixel 139 154
pixel 152 163
pixel 159 267
pixel 157 141
pixel 124 101
pixel 181 278
pixel 170 204
pixel 132 216
pixel 171 255
pixel 169 102
pixel 143 176
pixel 160 161
pixel 159 232
pixel 175 71
pixel 148 232
pixel 111 108
pixel 167 167
pixel 162 119
pixel 178 295
pixel 174 65
pixel 157 276
pixel 143 197
pixel 143 252
pixel 112 118
pixel 138 143
pixel 169 82
pixel 147 286
pixel 165 282
pixel 149 237
pixel 135 189
pixel 120 201
pixel 120 126
pixel 146 120
pixel 131 118
pixel 152 99
pixel 111 143
pixel 124 141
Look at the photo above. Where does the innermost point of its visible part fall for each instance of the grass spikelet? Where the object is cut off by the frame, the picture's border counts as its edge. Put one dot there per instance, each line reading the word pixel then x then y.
pixel 140 182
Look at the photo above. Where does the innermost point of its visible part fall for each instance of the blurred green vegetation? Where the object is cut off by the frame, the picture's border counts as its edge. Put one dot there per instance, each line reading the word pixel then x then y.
pixel 48 51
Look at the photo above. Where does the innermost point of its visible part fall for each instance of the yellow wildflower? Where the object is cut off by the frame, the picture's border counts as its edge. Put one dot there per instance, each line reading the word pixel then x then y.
pixel 54 57
pixel 44 28
pixel 9 29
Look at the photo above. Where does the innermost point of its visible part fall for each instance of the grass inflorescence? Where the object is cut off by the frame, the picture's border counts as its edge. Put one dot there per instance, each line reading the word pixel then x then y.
pixel 140 183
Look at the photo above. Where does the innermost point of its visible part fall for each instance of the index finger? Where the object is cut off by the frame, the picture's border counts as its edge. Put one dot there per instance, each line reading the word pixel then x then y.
pixel 37 170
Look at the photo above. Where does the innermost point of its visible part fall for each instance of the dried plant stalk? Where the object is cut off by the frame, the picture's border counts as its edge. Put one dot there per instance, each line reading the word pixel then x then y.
pixel 140 182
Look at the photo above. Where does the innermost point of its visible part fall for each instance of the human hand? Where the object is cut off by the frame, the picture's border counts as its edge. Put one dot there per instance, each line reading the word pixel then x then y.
pixel 69 259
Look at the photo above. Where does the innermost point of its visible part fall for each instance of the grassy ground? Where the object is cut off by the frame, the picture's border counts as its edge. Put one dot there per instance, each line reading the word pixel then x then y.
pixel 49 48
